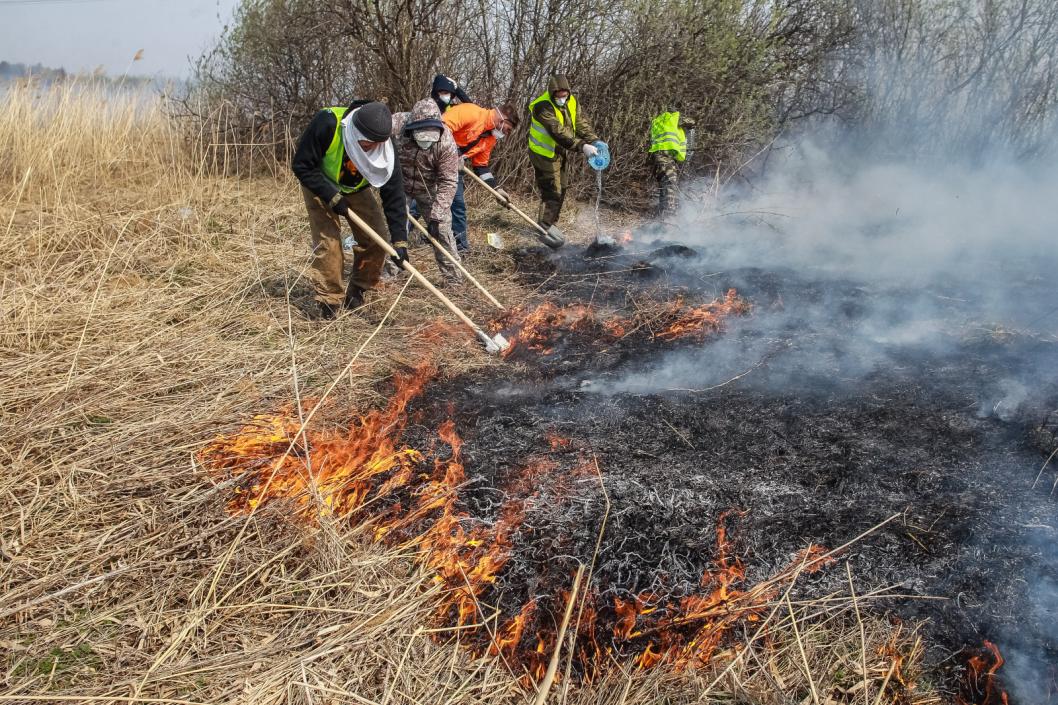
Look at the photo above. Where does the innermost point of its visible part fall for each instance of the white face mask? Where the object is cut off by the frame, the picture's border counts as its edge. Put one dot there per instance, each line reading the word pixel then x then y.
pixel 446 98
pixel 499 134
pixel 425 138
pixel 561 101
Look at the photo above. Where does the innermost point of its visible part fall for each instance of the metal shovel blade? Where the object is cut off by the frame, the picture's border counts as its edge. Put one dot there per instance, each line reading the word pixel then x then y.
pixel 494 345
pixel 552 237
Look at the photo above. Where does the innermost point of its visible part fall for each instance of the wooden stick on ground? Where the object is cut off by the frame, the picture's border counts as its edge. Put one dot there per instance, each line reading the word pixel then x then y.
pixel 493 345
pixel 552 667
pixel 455 260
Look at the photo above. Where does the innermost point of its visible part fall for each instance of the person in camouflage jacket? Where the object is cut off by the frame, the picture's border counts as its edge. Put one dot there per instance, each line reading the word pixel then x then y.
pixel 430 164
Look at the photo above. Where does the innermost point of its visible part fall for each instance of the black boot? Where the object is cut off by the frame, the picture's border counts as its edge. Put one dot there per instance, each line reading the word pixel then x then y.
pixel 354 297
pixel 326 312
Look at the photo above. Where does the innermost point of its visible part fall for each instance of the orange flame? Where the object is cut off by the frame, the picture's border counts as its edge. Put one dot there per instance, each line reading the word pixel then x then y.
pixel 979 685
pixel 411 498
pixel 702 320
pixel 540 329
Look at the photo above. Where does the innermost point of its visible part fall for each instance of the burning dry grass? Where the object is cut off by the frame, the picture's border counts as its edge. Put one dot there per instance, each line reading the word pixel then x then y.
pixel 535 329
pixel 148 305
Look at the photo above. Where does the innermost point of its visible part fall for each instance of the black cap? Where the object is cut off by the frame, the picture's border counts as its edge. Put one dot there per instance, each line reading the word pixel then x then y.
pixel 374 121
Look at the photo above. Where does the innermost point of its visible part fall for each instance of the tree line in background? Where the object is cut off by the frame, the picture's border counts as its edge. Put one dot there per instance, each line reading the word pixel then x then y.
pixel 39 74
pixel 898 76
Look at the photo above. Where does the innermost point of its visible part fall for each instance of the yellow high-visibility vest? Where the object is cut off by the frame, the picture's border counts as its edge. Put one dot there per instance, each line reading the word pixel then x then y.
pixel 335 156
pixel 667 135
pixel 540 140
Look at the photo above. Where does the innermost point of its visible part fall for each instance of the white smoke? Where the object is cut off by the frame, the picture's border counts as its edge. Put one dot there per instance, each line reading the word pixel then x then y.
pixel 933 255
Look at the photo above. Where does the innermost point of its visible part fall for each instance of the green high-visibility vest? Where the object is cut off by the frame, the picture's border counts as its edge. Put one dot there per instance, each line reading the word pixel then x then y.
pixel 335 156
pixel 667 135
pixel 540 140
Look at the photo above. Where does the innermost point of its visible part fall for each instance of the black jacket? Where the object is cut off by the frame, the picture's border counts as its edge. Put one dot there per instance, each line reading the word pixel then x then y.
pixel 444 83
pixel 307 165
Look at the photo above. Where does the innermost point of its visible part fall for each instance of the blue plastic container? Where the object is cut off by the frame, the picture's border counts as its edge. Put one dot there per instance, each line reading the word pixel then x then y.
pixel 601 160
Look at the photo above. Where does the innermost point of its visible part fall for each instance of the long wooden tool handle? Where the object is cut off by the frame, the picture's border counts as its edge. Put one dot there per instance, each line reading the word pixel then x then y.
pixel 469 172
pixel 355 220
pixel 451 258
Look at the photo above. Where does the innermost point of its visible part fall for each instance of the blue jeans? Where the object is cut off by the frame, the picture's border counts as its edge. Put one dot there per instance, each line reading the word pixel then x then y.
pixel 459 217
pixel 413 209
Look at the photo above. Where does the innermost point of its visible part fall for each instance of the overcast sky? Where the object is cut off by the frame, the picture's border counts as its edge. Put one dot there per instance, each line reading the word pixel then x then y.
pixel 80 35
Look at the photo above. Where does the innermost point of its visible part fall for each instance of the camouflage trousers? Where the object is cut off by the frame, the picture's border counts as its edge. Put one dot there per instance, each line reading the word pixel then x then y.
pixel 423 201
pixel 667 176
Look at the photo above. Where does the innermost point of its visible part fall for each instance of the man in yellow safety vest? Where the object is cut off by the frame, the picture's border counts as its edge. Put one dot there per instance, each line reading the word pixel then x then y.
pixel 668 147
pixel 344 153
pixel 555 127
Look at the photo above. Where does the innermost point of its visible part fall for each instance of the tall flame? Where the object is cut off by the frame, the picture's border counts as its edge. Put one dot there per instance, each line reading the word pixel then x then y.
pixel 411 497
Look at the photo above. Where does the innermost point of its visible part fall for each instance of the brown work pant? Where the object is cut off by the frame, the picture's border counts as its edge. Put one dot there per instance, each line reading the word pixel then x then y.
pixel 329 260
pixel 551 183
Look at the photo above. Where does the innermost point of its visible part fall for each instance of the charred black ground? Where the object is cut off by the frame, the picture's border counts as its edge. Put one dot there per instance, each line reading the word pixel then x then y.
pixel 816 441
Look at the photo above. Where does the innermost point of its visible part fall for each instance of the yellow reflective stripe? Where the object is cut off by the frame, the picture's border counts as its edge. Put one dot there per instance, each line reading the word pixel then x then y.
pixel 540 131
pixel 540 148
pixel 540 140
pixel 665 136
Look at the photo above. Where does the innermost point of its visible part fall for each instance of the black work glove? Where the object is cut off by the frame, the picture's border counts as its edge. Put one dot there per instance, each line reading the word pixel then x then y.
pixel 503 197
pixel 434 228
pixel 339 206
pixel 402 253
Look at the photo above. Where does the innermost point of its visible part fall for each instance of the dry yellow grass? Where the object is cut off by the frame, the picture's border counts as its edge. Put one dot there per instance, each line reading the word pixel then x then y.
pixel 148 306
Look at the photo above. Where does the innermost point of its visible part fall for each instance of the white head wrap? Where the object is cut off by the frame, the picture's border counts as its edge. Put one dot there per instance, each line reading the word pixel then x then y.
pixel 377 165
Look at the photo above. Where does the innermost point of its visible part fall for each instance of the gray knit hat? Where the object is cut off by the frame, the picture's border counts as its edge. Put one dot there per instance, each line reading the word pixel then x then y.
pixel 374 121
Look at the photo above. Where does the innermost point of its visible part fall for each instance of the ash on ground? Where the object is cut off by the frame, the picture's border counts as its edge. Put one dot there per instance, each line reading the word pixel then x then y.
pixel 831 407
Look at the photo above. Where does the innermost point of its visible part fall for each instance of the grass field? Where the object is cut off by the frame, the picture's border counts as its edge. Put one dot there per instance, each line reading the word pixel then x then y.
pixel 150 303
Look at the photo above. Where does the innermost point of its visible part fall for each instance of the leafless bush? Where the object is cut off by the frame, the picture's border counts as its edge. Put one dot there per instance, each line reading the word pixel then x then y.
pixel 963 73
pixel 962 79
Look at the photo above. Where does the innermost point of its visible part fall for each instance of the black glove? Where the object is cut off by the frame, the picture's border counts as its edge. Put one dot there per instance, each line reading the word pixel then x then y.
pixel 339 206
pixel 434 228
pixel 402 253
pixel 503 197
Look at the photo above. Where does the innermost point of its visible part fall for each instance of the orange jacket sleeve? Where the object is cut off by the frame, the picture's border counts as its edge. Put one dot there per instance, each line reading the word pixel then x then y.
pixel 472 125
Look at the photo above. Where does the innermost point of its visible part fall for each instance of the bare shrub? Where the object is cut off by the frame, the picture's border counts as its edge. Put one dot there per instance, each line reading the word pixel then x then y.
pixel 962 74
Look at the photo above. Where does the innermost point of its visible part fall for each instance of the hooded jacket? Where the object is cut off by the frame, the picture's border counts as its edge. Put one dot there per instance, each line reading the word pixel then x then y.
pixel 444 83
pixel 563 133
pixel 307 165
pixel 436 169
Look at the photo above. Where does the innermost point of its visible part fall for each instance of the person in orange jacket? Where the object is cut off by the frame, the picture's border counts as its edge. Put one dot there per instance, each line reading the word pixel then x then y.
pixel 476 131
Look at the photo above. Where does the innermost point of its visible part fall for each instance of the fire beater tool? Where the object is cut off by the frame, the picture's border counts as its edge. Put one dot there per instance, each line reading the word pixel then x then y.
pixel 448 255
pixel 550 236
pixel 493 345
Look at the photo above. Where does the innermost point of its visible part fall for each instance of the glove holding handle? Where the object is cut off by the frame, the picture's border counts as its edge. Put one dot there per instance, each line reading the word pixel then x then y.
pixel 338 204
pixel 402 253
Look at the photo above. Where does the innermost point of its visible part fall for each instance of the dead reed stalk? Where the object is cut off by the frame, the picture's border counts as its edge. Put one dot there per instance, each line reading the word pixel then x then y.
pixel 147 304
